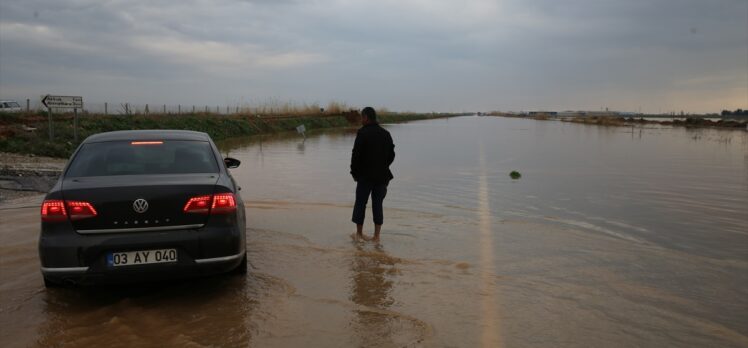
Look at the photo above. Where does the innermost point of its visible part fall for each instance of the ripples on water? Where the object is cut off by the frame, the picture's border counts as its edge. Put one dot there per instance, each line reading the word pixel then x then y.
pixel 641 182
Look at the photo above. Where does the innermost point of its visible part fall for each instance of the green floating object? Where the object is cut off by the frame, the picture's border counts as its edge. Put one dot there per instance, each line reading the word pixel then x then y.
pixel 515 174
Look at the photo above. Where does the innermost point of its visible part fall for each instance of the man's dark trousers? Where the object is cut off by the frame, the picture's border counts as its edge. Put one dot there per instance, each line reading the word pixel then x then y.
pixel 377 191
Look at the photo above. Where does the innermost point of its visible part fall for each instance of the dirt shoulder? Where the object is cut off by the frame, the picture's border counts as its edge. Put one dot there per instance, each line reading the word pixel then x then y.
pixel 27 175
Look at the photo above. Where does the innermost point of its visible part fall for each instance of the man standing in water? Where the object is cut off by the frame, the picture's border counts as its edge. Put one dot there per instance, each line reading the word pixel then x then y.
pixel 373 152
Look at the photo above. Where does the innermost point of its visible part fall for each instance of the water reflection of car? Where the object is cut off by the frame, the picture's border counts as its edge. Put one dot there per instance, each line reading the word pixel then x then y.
pixel 143 205
pixel 9 106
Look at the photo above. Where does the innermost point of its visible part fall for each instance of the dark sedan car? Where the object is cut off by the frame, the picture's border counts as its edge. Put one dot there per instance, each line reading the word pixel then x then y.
pixel 143 205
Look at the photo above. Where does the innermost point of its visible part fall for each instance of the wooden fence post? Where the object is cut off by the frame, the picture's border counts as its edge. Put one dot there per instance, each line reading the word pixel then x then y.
pixel 75 125
pixel 49 116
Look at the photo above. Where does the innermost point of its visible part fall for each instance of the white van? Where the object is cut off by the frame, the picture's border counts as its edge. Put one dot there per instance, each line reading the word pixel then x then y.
pixel 9 106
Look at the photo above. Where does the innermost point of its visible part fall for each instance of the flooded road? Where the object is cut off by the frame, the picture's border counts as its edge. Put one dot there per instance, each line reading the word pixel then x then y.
pixel 614 236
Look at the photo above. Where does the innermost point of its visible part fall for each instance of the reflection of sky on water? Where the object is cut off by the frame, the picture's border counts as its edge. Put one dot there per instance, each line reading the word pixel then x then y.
pixel 660 185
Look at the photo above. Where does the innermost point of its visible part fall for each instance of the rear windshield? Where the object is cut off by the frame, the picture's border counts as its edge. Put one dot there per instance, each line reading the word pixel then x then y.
pixel 138 158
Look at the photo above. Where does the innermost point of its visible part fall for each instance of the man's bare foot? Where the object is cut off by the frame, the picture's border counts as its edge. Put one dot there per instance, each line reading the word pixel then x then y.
pixel 377 230
pixel 374 239
pixel 358 237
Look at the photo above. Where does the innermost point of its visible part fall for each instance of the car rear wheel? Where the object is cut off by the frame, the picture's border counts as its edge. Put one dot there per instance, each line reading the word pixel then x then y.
pixel 49 284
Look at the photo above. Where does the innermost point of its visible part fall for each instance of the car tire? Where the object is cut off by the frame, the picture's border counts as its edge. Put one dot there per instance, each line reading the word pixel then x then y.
pixel 49 284
pixel 242 268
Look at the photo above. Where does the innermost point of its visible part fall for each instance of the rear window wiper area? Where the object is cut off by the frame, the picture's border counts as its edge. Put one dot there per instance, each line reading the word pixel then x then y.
pixel 143 158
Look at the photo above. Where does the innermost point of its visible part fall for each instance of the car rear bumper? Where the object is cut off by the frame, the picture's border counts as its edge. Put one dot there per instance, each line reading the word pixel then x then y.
pixel 73 258
pixel 142 273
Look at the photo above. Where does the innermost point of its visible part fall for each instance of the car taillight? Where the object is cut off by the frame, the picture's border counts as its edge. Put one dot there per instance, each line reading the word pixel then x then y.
pixel 59 210
pixel 221 203
pixel 80 210
pixel 53 210
pixel 198 205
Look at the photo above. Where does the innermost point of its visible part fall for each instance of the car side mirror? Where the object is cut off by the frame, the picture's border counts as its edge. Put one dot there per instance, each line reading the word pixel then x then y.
pixel 232 162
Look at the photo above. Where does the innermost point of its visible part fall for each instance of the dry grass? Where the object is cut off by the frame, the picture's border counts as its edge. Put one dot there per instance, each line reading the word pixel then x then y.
pixel 274 107
pixel 602 120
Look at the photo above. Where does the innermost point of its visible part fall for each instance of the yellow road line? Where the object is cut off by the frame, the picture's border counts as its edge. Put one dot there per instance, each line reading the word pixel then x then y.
pixel 491 335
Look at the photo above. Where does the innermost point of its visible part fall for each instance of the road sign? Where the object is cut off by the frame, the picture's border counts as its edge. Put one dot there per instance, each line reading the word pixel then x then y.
pixel 60 101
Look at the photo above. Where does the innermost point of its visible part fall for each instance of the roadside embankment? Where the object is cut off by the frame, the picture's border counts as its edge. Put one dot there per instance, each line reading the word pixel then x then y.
pixel 27 175
pixel 690 122
pixel 29 133
pixel 30 163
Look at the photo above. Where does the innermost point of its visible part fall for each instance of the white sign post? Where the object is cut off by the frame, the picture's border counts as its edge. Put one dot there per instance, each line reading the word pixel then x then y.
pixel 63 102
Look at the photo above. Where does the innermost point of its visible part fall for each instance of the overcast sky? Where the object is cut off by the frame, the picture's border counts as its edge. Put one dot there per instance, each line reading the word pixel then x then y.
pixel 418 55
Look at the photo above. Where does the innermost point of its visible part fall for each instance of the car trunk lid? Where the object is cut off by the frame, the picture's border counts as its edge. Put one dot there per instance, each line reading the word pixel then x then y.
pixel 160 201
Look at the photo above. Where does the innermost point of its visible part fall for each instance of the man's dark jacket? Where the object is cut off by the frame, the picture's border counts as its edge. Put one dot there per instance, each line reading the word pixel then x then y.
pixel 373 152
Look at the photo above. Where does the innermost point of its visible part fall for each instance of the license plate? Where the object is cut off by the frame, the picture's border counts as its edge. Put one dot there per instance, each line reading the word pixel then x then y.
pixel 144 257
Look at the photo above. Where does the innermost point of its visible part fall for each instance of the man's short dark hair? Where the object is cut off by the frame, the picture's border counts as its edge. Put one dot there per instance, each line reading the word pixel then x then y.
pixel 369 113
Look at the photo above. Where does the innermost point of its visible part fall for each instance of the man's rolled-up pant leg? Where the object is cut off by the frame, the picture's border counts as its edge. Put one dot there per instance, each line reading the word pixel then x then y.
pixel 378 192
pixel 362 196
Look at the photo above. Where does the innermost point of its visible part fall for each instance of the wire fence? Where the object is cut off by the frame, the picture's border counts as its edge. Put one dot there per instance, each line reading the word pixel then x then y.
pixel 131 108
pixel 270 108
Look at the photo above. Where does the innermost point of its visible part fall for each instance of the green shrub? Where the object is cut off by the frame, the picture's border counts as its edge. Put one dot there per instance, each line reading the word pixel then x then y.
pixel 14 136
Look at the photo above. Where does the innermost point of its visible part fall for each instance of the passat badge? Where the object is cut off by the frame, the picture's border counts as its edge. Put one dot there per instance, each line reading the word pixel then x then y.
pixel 140 205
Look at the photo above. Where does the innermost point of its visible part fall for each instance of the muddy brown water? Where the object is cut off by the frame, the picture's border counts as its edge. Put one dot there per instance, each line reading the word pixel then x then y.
pixel 614 236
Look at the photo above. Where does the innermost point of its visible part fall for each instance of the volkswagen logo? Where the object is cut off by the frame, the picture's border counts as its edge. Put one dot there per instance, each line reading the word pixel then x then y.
pixel 140 205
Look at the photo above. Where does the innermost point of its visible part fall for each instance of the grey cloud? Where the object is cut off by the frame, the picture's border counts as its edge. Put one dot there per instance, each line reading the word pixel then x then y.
pixel 450 55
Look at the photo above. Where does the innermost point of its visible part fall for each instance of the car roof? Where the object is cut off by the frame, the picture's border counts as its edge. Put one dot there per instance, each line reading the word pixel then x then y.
pixel 151 134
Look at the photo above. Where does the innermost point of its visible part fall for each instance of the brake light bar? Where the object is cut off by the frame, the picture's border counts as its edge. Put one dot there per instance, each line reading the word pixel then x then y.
pixel 146 142
pixel 220 203
pixel 58 210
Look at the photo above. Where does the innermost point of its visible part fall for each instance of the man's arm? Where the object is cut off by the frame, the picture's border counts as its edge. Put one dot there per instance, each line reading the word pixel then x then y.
pixel 391 155
pixel 356 157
